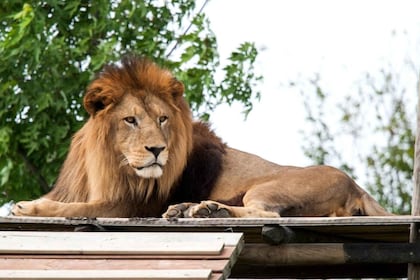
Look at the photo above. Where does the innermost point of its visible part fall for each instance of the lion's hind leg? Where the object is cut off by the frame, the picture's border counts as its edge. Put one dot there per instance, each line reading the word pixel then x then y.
pixel 213 209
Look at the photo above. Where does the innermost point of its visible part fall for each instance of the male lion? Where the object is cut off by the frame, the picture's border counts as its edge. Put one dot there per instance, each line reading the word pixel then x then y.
pixel 140 152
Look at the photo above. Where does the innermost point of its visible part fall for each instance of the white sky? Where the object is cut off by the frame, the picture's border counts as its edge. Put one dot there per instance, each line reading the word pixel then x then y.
pixel 341 40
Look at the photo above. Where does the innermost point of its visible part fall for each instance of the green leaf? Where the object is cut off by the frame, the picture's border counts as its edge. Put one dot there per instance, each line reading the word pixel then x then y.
pixel 51 50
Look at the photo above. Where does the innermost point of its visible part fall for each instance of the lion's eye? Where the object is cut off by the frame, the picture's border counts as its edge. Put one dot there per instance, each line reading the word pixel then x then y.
pixel 163 119
pixel 130 120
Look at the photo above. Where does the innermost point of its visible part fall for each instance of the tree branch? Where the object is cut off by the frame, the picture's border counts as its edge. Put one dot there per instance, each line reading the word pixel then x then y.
pixel 186 30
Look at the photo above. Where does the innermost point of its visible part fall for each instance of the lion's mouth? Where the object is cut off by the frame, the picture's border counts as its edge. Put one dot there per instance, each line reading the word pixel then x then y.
pixel 147 166
pixel 153 170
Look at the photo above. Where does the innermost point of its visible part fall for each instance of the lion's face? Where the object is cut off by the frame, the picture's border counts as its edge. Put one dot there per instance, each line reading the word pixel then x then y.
pixel 144 125
pixel 142 134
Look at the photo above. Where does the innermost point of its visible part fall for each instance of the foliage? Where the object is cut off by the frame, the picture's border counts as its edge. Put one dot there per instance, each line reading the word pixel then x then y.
pixel 378 116
pixel 50 50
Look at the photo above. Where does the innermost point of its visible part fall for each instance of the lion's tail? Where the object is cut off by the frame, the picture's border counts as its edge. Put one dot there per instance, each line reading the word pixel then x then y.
pixel 372 208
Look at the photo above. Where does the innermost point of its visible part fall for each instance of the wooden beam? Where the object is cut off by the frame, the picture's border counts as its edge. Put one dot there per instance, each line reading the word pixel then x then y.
pixel 115 223
pixel 329 254
pixel 275 235
pixel 292 254
pixel 414 269
pixel 241 271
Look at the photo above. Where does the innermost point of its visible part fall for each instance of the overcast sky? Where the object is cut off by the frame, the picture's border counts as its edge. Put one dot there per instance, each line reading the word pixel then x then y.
pixel 341 40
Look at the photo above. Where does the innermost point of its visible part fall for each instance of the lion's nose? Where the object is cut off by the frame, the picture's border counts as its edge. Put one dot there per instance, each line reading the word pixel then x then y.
pixel 155 150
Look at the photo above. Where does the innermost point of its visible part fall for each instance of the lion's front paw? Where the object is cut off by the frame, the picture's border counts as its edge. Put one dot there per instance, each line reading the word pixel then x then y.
pixel 205 209
pixel 210 209
pixel 179 210
pixel 25 208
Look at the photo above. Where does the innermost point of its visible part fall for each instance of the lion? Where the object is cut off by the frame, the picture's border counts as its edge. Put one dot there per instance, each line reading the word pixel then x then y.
pixel 140 154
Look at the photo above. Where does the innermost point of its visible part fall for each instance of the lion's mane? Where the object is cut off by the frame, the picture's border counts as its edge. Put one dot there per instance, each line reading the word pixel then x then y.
pixel 92 170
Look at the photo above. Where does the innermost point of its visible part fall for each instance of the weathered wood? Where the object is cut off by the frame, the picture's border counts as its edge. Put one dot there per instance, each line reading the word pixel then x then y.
pixel 106 274
pixel 204 222
pixel 382 253
pixel 104 243
pixel 355 229
pixel 226 253
pixel 414 269
pixel 73 263
pixel 118 251
pixel 275 235
pixel 292 254
pixel 329 254
pixel 116 243
pixel 229 239
pixel 343 271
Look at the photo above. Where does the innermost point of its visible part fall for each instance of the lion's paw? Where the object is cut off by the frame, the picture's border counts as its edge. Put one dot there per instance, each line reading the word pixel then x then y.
pixel 210 209
pixel 205 209
pixel 25 208
pixel 179 210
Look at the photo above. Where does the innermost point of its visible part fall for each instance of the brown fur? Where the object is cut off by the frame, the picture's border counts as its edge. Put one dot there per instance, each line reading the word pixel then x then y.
pixel 140 151
pixel 95 173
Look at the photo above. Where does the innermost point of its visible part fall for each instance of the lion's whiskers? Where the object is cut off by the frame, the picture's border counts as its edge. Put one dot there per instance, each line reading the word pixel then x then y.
pixel 124 161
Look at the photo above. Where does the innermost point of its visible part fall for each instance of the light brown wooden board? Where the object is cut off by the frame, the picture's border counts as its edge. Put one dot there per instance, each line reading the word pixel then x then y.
pixel 20 250
pixel 111 243
pixel 112 264
pixel 226 253
pixel 201 274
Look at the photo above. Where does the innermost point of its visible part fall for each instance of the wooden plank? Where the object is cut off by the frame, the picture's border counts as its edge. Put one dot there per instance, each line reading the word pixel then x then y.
pixel 228 238
pixel 29 247
pixel 106 274
pixel 103 243
pixel 217 276
pixel 220 266
pixel 204 222
pixel 226 253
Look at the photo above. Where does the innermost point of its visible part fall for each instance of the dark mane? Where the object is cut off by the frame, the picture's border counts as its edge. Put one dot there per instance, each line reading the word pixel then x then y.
pixel 204 166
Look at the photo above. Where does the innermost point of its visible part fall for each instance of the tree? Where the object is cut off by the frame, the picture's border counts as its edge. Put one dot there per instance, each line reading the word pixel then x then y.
pixel 50 50
pixel 380 113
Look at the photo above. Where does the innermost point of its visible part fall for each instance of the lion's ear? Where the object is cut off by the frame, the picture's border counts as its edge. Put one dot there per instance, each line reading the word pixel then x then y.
pixel 96 100
pixel 177 88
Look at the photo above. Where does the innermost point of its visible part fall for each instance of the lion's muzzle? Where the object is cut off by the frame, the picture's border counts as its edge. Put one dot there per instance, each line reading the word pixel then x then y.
pixel 154 170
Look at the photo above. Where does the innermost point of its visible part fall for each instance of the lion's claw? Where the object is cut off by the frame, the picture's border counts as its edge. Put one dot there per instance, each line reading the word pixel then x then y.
pixel 19 209
pixel 30 208
pixel 16 209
